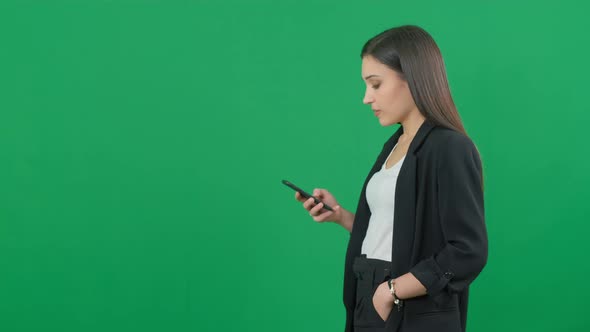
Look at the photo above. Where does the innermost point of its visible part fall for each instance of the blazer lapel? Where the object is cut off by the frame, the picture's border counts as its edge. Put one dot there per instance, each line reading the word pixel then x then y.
pixel 404 219
pixel 405 202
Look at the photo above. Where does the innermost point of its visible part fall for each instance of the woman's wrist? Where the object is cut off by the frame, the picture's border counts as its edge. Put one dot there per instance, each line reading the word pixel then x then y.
pixel 346 219
pixel 407 287
pixel 392 289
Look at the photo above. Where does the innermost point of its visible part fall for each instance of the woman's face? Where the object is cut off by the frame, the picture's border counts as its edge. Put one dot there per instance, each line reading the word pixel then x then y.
pixel 388 94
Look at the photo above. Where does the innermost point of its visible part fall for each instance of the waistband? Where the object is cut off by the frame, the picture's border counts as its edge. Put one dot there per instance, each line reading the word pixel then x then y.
pixel 372 269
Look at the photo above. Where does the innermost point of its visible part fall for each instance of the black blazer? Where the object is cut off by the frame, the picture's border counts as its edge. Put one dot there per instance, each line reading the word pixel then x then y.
pixel 439 229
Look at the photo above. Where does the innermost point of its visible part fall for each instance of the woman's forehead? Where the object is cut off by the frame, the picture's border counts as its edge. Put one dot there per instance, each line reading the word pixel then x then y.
pixel 374 70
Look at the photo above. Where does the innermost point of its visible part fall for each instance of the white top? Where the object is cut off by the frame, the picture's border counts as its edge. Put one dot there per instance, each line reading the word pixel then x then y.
pixel 381 198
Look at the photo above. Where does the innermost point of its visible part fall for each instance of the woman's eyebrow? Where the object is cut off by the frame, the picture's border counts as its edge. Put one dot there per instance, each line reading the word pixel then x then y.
pixel 373 75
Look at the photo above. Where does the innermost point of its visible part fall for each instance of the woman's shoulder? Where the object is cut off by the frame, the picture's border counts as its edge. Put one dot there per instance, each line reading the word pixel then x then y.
pixel 444 144
pixel 442 138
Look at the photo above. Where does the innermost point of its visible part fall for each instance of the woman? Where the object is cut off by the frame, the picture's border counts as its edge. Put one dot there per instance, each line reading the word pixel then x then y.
pixel 418 237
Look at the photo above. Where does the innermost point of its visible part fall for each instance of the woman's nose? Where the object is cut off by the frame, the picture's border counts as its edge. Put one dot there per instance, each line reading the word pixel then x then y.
pixel 367 99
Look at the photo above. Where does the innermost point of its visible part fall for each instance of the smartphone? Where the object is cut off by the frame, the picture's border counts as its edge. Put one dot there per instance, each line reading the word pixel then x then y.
pixel 306 195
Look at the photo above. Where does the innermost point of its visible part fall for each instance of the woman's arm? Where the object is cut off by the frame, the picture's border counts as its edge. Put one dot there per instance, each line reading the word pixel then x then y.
pixel 406 286
pixel 346 219
pixel 461 210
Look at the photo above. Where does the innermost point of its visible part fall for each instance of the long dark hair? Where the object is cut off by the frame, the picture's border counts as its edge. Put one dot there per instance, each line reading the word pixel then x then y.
pixel 413 54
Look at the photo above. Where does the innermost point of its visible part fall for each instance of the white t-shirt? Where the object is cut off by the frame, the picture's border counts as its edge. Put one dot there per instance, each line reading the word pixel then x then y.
pixel 381 198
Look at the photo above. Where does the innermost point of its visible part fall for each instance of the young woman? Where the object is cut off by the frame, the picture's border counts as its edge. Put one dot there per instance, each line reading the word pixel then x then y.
pixel 418 237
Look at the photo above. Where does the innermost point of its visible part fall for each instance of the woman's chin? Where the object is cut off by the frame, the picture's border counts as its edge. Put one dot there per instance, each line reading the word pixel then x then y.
pixel 386 122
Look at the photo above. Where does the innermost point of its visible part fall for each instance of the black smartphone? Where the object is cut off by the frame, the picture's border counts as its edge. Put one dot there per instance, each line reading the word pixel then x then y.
pixel 306 195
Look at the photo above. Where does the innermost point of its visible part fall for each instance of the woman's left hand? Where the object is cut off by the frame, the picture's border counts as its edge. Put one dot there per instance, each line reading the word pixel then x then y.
pixel 383 301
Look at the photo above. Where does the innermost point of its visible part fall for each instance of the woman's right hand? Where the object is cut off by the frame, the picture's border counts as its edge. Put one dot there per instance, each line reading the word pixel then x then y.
pixel 315 211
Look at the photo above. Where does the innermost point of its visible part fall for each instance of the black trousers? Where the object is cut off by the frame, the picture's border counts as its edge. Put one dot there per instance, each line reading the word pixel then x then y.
pixel 420 314
pixel 370 273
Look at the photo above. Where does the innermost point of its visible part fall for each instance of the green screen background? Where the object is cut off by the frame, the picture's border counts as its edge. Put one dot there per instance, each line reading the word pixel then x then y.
pixel 142 144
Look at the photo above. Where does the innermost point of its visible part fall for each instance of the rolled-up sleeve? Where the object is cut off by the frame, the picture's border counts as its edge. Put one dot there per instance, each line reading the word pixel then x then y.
pixel 461 213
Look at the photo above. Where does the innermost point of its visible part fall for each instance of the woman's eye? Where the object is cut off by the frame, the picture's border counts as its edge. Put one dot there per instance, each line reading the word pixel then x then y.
pixel 376 86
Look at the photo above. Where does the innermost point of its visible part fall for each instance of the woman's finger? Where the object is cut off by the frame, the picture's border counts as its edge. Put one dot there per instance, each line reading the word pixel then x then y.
pixel 316 209
pixel 299 197
pixel 323 216
pixel 320 193
pixel 310 204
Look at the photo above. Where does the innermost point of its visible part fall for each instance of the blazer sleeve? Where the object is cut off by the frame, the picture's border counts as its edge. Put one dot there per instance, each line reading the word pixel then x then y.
pixel 461 213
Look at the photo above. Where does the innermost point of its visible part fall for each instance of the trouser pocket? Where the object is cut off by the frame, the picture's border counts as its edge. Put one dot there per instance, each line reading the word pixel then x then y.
pixel 370 273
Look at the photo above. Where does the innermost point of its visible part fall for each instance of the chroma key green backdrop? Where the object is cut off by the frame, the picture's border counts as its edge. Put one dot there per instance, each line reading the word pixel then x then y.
pixel 142 145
